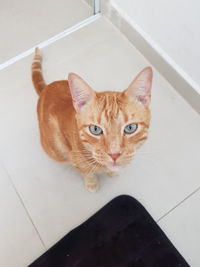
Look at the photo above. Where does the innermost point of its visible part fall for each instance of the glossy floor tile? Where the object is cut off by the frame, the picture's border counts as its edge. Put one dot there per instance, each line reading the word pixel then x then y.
pixel 53 193
pixel 19 241
pixel 182 226
pixel 24 24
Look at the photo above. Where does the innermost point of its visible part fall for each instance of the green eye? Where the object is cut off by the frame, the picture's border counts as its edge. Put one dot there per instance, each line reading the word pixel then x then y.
pixel 130 128
pixel 96 130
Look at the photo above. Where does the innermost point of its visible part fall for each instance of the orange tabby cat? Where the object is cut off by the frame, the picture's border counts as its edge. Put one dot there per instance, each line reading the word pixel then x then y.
pixel 95 132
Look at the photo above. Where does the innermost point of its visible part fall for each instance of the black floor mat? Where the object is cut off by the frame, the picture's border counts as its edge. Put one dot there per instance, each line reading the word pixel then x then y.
pixel 121 234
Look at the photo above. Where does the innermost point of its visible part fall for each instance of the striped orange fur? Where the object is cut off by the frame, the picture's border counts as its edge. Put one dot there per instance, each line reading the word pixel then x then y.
pixel 37 76
pixel 70 113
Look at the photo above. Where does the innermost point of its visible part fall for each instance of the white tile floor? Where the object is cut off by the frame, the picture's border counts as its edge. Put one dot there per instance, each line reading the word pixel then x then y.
pixel 24 24
pixel 43 200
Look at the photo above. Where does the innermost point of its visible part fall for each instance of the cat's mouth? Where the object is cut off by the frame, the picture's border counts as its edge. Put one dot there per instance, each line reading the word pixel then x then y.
pixel 113 167
pixel 120 163
pixel 114 164
pixel 108 164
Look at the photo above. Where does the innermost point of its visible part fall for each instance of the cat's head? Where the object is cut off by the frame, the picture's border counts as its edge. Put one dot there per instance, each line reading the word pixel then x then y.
pixel 112 125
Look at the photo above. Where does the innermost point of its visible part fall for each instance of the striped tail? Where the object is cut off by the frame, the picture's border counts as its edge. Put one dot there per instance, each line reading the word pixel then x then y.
pixel 37 76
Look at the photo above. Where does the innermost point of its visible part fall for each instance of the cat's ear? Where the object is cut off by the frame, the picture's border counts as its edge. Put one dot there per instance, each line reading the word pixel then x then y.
pixel 81 92
pixel 140 88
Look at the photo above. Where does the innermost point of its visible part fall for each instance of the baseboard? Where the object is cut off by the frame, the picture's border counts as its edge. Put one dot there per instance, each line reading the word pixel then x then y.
pixel 53 39
pixel 184 85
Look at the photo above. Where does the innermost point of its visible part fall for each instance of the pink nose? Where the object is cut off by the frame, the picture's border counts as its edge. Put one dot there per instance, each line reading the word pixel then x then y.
pixel 115 156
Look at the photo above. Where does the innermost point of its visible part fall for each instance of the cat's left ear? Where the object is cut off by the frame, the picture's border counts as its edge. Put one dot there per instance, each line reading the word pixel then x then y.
pixel 140 88
pixel 81 92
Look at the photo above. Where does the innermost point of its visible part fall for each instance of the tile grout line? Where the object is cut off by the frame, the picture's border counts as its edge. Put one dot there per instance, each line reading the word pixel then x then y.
pixel 50 40
pixel 179 204
pixel 22 203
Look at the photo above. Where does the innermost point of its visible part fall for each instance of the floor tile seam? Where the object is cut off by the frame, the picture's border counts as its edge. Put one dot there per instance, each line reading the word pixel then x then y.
pixel 179 204
pixel 24 206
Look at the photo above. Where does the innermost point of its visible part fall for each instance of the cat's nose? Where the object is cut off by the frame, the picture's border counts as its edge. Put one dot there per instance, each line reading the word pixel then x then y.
pixel 115 156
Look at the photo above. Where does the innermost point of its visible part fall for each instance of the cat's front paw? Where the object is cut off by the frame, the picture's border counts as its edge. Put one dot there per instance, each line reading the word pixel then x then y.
pixel 112 173
pixel 92 187
pixel 91 183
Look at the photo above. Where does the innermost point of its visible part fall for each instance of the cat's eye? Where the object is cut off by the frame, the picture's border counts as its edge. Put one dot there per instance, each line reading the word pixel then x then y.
pixel 130 128
pixel 96 130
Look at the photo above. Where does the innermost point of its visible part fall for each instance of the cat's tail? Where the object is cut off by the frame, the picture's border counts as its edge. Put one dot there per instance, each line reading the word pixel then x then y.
pixel 37 76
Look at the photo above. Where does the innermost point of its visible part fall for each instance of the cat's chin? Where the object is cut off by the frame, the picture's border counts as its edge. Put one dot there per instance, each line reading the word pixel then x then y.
pixel 113 168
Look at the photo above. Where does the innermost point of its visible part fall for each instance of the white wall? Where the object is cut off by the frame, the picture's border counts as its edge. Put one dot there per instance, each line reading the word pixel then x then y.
pixel 173 25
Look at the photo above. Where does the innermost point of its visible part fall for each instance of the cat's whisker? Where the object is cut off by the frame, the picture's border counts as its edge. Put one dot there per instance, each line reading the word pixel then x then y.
pixel 79 154
pixel 79 161
pixel 93 170
pixel 89 168
pixel 78 158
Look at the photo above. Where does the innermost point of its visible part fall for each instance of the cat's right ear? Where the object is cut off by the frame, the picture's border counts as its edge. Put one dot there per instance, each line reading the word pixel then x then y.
pixel 81 92
pixel 140 88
